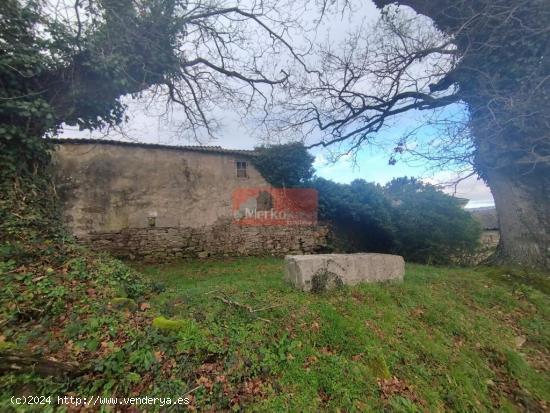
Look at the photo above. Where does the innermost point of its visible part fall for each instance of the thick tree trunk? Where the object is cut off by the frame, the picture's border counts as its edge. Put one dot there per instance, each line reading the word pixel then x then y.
pixel 503 77
pixel 523 208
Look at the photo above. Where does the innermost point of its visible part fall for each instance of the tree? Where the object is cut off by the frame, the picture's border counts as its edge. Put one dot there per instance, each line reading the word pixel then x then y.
pixel 493 57
pixel 71 61
pixel 285 165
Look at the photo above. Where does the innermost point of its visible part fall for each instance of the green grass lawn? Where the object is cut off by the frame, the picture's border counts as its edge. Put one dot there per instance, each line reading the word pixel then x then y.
pixel 446 339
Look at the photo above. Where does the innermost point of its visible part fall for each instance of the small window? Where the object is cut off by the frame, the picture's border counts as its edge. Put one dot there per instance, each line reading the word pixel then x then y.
pixel 241 169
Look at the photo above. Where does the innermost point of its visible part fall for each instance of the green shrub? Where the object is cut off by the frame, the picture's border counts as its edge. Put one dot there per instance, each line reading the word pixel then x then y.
pixel 358 213
pixel 429 225
pixel 405 217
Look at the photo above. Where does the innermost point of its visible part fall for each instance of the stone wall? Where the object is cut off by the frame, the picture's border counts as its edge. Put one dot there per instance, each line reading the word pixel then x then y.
pixel 487 245
pixel 107 187
pixel 157 202
pixel 156 244
pixel 490 238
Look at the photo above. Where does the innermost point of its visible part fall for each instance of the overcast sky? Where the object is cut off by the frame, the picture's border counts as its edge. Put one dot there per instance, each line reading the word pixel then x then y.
pixel 147 125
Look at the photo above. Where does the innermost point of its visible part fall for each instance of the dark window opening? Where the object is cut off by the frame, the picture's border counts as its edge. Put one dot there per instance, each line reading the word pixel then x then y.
pixel 241 169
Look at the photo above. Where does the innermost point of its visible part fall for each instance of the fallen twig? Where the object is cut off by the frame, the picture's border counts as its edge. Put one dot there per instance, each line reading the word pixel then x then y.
pixel 244 306
pixel 234 303
pixel 192 390
pixel 269 307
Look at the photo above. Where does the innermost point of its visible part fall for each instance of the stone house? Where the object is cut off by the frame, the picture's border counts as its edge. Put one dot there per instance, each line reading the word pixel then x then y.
pixel 155 202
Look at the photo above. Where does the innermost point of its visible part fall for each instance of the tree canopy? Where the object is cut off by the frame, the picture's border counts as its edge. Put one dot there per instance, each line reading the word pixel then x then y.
pixel 405 217
pixel 71 62
pixel 285 165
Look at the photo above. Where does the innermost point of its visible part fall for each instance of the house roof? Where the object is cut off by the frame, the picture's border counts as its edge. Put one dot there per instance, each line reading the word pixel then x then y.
pixel 194 148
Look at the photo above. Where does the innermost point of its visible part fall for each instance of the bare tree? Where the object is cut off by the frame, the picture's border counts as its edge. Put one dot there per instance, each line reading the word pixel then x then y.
pixel 491 58
pixel 80 56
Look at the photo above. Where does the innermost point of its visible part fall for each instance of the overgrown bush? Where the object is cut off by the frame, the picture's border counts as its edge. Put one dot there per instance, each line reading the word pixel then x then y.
pixel 359 215
pixel 406 217
pixel 429 225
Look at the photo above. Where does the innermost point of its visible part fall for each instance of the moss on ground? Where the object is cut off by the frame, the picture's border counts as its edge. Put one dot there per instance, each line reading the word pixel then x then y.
pixel 163 323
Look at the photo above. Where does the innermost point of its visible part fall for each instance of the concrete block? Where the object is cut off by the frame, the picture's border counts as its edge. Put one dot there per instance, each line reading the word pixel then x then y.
pixel 326 271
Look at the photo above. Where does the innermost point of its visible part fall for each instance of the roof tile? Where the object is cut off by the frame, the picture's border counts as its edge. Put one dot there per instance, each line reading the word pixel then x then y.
pixel 195 148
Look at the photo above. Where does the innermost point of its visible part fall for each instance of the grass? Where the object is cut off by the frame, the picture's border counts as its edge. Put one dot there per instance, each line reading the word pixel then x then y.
pixel 231 335
pixel 446 339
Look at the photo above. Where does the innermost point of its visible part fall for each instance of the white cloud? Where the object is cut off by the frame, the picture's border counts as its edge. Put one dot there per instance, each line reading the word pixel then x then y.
pixel 472 188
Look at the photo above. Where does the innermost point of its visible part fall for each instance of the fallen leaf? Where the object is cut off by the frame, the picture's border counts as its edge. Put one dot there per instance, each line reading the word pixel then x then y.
pixel 311 360
pixel 417 312
pixel 204 381
pixel 394 386
pixel 327 351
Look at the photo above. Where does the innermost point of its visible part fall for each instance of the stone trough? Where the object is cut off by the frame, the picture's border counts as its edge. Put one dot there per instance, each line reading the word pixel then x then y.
pixel 327 271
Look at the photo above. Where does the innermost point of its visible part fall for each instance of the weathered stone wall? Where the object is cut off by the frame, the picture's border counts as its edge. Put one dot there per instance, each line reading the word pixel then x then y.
pixel 490 238
pixel 488 245
pixel 154 202
pixel 154 244
pixel 108 187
